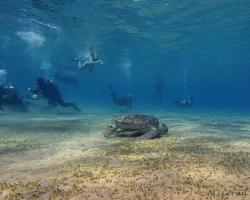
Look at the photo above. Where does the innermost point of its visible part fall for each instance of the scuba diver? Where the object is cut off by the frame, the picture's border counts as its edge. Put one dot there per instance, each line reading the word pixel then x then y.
pixel 90 63
pixel 185 103
pixel 121 101
pixel 159 85
pixel 10 98
pixel 47 90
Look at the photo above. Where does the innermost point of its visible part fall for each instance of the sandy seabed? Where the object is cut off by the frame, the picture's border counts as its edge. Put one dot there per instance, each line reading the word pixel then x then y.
pixel 67 157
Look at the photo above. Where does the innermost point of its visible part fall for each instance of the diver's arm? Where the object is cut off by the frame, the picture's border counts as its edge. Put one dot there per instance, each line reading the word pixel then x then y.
pixel 36 96
pixel 97 61
pixel 36 93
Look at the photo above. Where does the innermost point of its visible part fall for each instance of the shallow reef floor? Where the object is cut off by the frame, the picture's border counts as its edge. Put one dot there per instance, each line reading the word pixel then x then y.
pixel 67 157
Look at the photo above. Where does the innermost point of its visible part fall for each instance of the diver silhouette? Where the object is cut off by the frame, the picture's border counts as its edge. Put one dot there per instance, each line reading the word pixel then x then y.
pixel 10 98
pixel 184 103
pixel 121 101
pixel 47 90
pixel 159 85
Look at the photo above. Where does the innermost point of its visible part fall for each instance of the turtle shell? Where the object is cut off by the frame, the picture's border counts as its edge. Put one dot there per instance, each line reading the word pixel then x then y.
pixel 137 121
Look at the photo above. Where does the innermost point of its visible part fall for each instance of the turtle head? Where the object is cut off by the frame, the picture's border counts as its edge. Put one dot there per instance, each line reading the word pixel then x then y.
pixel 112 126
pixel 110 130
pixel 163 129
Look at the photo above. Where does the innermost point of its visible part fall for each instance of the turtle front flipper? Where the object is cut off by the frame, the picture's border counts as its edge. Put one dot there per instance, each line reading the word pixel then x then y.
pixel 110 130
pixel 151 134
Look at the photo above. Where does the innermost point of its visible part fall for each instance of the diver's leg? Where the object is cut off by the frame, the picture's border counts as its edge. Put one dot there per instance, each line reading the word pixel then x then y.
pixel 160 97
pixel 80 65
pixel 52 104
pixel 64 104
pixel 130 105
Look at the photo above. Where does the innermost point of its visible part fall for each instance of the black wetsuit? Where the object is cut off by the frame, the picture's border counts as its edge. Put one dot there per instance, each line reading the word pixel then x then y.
pixel 121 101
pixel 47 90
pixel 10 97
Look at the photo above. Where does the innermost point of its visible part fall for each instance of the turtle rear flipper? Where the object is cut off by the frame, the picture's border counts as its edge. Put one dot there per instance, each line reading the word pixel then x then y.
pixel 151 134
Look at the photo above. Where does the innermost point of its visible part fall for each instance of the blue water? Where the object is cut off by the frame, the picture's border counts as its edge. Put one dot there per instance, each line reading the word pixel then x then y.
pixel 199 48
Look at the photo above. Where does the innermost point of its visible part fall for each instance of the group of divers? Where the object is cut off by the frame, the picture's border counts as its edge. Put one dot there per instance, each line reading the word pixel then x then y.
pixel 11 98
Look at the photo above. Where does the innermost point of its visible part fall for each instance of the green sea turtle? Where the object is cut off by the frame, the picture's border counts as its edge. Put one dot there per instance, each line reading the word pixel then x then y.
pixel 137 125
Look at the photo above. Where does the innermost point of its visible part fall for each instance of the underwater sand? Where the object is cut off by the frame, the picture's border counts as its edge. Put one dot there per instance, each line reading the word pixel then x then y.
pixel 67 157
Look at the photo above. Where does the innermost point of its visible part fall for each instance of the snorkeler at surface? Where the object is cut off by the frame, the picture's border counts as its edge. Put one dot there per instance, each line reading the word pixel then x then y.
pixel 159 84
pixel 187 102
pixel 47 90
pixel 90 63
pixel 121 101
pixel 11 99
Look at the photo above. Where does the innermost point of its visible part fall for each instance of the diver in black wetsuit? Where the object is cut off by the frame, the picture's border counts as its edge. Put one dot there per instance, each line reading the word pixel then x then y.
pixel 159 85
pixel 185 103
pixel 10 98
pixel 47 90
pixel 121 101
